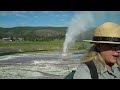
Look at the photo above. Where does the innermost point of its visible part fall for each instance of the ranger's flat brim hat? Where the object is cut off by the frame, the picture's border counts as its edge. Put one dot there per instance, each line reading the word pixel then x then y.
pixel 108 32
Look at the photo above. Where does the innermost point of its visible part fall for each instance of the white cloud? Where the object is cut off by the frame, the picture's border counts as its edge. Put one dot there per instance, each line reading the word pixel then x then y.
pixel 16 13
pixel 21 15
pixel 45 12
pixel 62 16
pixel 36 16
pixel 65 15
pixel 58 15
pixel 62 19
pixel 4 13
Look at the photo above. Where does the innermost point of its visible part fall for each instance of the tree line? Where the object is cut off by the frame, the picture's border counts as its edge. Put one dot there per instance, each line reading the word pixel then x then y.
pixel 40 33
pixel 33 33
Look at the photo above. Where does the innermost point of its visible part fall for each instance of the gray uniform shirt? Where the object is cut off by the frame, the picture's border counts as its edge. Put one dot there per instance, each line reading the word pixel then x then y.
pixel 83 72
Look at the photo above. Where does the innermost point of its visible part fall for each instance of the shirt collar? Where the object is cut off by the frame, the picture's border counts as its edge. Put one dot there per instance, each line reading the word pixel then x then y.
pixel 101 68
pixel 106 69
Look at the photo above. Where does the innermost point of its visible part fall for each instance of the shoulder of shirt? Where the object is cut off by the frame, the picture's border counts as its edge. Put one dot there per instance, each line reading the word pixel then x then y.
pixel 82 72
pixel 83 66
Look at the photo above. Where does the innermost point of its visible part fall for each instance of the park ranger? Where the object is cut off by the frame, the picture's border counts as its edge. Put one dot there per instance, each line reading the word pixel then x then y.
pixel 102 61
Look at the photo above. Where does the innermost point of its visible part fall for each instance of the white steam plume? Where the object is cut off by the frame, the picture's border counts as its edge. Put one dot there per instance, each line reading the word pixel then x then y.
pixel 79 24
pixel 85 20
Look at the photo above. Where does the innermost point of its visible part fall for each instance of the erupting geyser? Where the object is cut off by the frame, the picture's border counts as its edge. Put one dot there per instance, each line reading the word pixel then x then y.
pixel 85 20
pixel 79 24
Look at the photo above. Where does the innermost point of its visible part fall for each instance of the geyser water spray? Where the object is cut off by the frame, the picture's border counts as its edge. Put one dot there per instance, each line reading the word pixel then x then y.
pixel 79 24
pixel 83 21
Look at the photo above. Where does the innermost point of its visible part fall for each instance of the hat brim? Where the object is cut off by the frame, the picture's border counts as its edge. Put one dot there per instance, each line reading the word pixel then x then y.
pixel 109 42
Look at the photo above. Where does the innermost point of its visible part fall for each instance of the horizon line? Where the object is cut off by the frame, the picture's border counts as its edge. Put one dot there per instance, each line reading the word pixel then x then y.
pixel 30 26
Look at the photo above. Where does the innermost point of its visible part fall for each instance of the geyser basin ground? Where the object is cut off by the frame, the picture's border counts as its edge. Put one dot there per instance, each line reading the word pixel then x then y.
pixel 37 66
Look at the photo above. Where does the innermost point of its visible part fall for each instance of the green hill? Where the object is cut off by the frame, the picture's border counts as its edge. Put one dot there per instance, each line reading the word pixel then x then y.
pixel 33 33
pixel 39 33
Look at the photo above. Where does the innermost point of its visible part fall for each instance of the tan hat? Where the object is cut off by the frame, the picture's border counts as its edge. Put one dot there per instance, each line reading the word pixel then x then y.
pixel 108 32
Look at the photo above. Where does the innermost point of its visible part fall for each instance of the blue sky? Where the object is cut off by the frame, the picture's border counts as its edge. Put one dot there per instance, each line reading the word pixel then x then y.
pixel 35 18
pixel 51 18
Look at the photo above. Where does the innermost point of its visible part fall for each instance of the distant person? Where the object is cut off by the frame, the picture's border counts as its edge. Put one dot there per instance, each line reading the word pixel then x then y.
pixel 102 61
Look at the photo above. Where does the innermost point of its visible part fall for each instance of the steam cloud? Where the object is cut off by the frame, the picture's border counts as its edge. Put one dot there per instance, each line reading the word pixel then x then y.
pixel 84 20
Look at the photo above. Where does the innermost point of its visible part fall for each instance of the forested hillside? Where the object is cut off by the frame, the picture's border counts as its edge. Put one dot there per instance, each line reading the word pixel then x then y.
pixel 33 33
pixel 39 33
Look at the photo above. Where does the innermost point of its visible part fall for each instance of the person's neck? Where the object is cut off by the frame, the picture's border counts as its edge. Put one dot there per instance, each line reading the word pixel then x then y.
pixel 109 67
